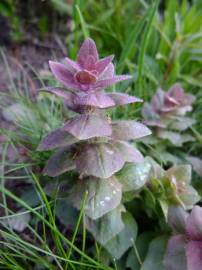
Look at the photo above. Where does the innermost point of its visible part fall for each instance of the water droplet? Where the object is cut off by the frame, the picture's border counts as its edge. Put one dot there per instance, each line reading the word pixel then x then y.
pixel 110 152
pixel 102 203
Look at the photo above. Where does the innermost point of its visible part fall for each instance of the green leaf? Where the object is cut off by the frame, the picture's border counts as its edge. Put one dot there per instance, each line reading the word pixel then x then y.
pixel 155 255
pixel 189 197
pixel 180 172
pixel 164 207
pixel 82 22
pixel 134 176
pixel 31 197
pixel 103 196
pixel 108 226
pixel 118 245
pixel 143 45
pixel 182 123
pixel 136 257
pixel 66 213
pixel 129 44
pixel 149 201
pixel 156 171
pixel 55 139
pixel 100 160
pixel 60 162
pixel 62 6
pixel 174 137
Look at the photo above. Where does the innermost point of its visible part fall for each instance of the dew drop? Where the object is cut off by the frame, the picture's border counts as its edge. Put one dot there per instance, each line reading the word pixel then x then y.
pixel 102 203
pixel 110 152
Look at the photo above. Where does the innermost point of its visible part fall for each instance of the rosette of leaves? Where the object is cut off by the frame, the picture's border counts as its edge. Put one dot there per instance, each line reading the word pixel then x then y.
pixel 166 114
pixel 95 147
pixel 184 248
pixel 169 187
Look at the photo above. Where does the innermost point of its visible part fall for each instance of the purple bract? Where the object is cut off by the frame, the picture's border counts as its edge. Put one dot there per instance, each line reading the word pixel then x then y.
pixel 184 250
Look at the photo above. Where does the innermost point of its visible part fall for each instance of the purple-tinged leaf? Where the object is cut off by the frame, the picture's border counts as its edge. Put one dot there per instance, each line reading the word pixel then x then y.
pixel 101 64
pixel 157 101
pixel 175 94
pixel 100 160
pixel 88 48
pixel 122 99
pixel 177 219
pixel 154 123
pixel 118 245
pixel 149 113
pixel 181 111
pixel 175 257
pixel 103 196
pixel 151 117
pixel 89 63
pixel 182 123
pixel 107 73
pixel 194 224
pixel 134 176
pixel 63 75
pixel 189 99
pixel 69 103
pixel 101 84
pixel 61 161
pixel 194 255
pixel 107 227
pixel 129 152
pixel 129 130
pixel 72 66
pixel 96 99
pixel 174 137
pixel 88 126
pixel 55 139
pixel 177 97
pixel 196 163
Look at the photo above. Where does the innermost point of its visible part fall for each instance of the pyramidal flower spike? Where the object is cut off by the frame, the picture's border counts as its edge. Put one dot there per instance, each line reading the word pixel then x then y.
pixel 90 143
pixel 86 78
